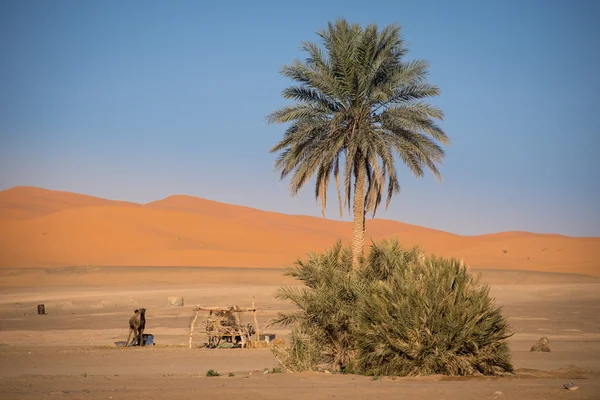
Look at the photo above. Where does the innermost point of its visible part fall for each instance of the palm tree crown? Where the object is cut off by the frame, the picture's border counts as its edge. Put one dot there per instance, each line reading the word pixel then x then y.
pixel 358 105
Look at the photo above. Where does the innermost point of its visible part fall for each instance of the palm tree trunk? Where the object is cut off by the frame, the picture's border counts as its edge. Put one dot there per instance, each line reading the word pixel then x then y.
pixel 358 228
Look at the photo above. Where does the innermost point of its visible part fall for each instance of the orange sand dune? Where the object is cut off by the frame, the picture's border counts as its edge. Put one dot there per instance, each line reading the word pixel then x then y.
pixel 27 202
pixel 41 228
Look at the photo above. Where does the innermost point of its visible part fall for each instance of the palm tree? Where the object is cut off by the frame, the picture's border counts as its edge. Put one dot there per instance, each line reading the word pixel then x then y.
pixel 358 106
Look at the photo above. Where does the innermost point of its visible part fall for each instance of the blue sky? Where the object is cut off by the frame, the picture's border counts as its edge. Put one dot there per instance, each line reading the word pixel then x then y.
pixel 138 100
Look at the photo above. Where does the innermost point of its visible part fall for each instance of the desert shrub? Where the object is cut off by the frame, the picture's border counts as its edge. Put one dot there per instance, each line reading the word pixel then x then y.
pixel 402 313
pixel 212 372
pixel 301 354
pixel 323 324
pixel 427 315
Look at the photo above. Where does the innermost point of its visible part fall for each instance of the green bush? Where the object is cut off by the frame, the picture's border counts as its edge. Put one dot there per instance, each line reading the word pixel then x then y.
pixel 324 324
pixel 212 372
pixel 301 354
pixel 401 314
pixel 427 315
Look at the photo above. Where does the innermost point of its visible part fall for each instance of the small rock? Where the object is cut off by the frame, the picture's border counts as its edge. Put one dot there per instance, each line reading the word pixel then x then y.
pixel 541 345
pixel 175 301
pixel 327 372
pixel 266 372
pixel 571 386
pixel 498 393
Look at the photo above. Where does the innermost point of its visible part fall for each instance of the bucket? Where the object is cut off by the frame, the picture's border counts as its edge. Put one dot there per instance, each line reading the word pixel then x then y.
pixel 147 338
pixel 41 309
pixel 267 337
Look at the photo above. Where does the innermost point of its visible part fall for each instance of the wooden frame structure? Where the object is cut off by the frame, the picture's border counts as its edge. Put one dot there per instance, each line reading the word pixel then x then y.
pixel 223 324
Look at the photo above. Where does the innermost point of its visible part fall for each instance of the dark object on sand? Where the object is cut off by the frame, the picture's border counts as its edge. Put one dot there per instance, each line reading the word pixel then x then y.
pixel 147 338
pixel 266 337
pixel 137 324
pixel 41 309
pixel 571 386
pixel 541 345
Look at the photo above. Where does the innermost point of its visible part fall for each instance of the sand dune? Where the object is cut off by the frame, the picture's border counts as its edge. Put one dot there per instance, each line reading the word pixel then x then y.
pixel 43 228
pixel 24 202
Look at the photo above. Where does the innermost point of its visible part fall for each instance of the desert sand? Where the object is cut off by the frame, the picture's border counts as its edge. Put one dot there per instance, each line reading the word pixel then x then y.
pixel 70 353
pixel 43 228
pixel 93 261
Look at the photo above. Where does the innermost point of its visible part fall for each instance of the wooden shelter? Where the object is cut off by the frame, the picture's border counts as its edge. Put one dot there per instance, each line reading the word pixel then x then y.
pixel 223 324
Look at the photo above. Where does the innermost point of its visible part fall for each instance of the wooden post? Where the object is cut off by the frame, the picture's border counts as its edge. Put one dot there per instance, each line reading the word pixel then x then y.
pixel 192 327
pixel 256 323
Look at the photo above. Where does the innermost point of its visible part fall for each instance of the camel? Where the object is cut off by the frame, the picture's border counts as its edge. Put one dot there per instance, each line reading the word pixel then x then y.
pixel 137 323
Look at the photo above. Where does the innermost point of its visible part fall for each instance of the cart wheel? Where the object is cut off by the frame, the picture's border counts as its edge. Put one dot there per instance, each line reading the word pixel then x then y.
pixel 214 341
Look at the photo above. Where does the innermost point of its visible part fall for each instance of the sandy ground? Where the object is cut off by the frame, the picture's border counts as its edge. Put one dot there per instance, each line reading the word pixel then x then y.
pixel 69 353
pixel 45 228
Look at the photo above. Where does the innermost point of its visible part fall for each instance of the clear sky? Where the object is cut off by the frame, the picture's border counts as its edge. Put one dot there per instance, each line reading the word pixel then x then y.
pixel 138 100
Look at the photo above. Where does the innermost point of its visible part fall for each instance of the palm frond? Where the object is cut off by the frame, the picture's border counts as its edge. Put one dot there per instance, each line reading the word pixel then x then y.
pixel 358 103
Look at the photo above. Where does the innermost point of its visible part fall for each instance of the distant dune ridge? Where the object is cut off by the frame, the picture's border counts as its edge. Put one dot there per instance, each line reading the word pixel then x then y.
pixel 45 228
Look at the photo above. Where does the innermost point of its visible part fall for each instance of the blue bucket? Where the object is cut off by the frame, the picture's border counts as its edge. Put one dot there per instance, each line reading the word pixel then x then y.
pixel 148 340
